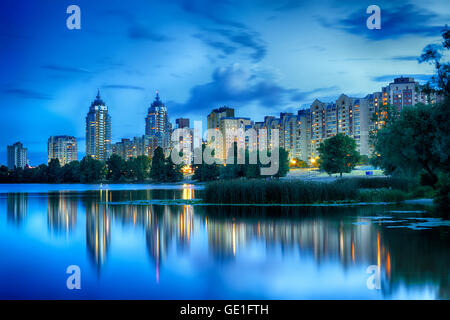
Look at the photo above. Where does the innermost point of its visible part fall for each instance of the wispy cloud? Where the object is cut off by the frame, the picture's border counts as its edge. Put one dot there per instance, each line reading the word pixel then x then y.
pixel 231 41
pixel 140 32
pixel 59 68
pixel 122 86
pixel 390 77
pixel 405 58
pixel 27 94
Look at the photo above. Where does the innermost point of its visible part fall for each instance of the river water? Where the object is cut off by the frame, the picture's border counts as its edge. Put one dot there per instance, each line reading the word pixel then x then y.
pixel 127 248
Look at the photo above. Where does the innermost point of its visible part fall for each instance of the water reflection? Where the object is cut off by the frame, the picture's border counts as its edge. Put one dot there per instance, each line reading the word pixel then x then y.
pixel 343 236
pixel 61 213
pixel 17 207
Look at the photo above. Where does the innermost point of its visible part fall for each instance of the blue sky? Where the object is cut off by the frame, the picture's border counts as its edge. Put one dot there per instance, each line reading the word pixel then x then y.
pixel 260 57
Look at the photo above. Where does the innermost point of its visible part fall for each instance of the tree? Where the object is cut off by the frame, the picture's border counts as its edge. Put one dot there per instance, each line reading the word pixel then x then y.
pixel 139 167
pixel 418 140
pixel 404 145
pixel 71 172
pixel 297 163
pixel 172 171
pixel 206 172
pixel 232 170
pixel 4 174
pixel 54 171
pixel 158 164
pixel 338 154
pixel 91 170
pixel 116 168
pixel 283 163
pixel 434 53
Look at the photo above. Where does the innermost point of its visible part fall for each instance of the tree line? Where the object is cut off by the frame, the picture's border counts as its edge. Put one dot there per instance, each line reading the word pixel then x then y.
pixel 211 172
pixel 89 170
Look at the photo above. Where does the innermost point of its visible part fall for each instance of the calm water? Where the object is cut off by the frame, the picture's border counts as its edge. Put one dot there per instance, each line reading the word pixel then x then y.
pixel 127 250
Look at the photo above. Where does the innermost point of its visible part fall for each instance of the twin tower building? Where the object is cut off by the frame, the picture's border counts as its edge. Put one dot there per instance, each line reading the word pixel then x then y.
pixel 98 130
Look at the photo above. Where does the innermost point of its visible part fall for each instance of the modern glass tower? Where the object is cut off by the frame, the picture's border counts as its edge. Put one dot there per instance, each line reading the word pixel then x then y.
pixel 157 123
pixel 98 130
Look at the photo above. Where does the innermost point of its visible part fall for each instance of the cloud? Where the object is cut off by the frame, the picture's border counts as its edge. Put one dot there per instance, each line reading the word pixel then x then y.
pixel 230 41
pixel 396 22
pixel 122 86
pixel 54 67
pixel 390 77
pixel 211 10
pixel 139 32
pixel 27 94
pixel 405 58
pixel 238 87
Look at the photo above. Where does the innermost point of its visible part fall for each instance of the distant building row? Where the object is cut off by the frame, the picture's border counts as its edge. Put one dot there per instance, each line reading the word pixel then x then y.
pixel 301 134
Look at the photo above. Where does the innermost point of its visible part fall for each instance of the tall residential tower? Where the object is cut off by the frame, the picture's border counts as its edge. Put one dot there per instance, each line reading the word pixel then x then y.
pixel 17 156
pixel 63 148
pixel 157 123
pixel 98 130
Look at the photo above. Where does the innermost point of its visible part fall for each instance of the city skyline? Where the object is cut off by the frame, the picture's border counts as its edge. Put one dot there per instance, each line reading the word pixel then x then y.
pixel 224 56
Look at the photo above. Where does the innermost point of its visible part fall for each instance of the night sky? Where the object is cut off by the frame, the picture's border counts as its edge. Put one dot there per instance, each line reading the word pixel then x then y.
pixel 259 57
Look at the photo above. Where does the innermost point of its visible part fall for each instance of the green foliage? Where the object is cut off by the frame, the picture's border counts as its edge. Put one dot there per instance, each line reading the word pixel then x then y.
pixel 298 163
pixel 283 163
pixel 164 170
pixel 363 160
pixel 71 172
pixel 206 172
pixel 117 168
pixel 338 154
pixel 442 197
pixel 158 163
pixel 139 168
pixel 435 54
pixel 92 170
pixel 172 172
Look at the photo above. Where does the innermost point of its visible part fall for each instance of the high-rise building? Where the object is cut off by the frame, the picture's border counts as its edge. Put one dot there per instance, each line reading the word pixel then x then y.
pixel 157 123
pixel 98 130
pixel 124 149
pixel 402 92
pixel 213 120
pixel 182 123
pixel 17 156
pixel 304 143
pixel 63 148
pixel 230 128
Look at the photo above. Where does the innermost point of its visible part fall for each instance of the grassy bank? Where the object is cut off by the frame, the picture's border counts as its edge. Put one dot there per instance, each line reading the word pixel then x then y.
pixel 302 192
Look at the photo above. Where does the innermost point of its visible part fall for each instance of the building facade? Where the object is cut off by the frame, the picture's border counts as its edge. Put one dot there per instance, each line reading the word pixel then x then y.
pixel 157 123
pixel 98 130
pixel 63 148
pixel 17 156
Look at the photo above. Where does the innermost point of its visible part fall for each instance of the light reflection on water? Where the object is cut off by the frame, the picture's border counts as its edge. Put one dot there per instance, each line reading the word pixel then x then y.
pixel 214 252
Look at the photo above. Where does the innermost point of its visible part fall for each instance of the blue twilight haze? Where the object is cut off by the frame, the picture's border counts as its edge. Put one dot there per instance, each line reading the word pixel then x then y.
pixel 259 57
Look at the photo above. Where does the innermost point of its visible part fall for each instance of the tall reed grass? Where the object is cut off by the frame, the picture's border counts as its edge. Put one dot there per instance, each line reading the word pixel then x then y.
pixel 297 192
